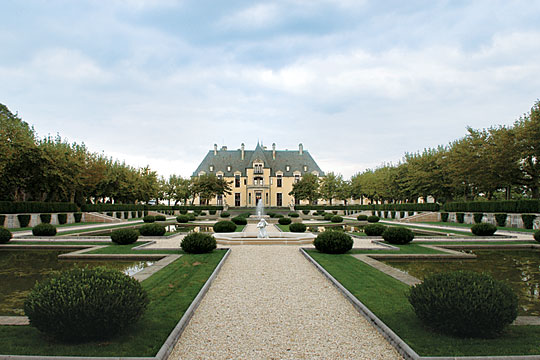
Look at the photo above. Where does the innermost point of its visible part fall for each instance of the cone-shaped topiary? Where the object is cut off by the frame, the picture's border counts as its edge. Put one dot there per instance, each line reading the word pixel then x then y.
pixel 5 235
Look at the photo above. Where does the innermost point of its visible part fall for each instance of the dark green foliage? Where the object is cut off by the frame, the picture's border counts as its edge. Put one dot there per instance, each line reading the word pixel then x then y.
pixel 182 218
pixel 528 220
pixel 336 219
pixel 5 235
pixel 78 217
pixel 444 216
pixel 198 243
pixel 460 217
pixel 152 229
pixel 305 212
pixel 333 242
pixel 374 229
pixel 507 206
pixel 379 213
pixel 393 214
pixel 24 220
pixel 44 229
pixel 362 217
pixel 386 214
pixel 149 219
pixel 124 236
pixel 140 213
pixel 80 305
pixel 118 214
pixel 328 217
pixel 334 212
pixel 239 220
pixel 373 219
pixel 8 207
pixel 501 219
pixel 278 216
pixel 297 227
pixel 192 217
pixel 537 235
pixel 183 211
pixel 401 214
pixel 110 214
pixel 62 219
pixel 2 220
pixel 145 213
pixel 373 207
pixel 464 303
pixel 202 213
pixel 45 218
pixel 293 214
pixel 398 235
pixel 478 217
pixel 126 214
pixel 372 212
pixel 483 229
pixel 212 212
pixel 410 213
pixel 224 226
pixel 225 214
pixel 160 217
pixel 271 214
pixel 284 221
pixel 133 214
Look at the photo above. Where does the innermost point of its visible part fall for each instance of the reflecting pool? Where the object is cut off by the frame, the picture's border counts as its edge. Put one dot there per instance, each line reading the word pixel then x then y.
pixel 21 269
pixel 518 268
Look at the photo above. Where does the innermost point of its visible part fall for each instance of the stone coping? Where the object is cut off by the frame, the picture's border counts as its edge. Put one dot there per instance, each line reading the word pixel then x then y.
pixel 400 345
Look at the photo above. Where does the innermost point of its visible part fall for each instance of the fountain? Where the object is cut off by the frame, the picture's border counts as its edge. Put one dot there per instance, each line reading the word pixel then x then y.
pixel 262 222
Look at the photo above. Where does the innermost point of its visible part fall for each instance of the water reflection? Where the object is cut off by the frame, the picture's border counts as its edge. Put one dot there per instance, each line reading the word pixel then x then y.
pixel 20 270
pixel 176 228
pixel 519 268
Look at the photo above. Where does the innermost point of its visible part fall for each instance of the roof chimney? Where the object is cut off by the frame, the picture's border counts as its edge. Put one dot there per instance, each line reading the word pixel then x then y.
pixel 301 149
pixel 242 148
pixel 215 149
pixel 274 151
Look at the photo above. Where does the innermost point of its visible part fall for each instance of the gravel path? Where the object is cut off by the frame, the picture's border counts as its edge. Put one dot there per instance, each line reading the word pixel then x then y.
pixel 268 302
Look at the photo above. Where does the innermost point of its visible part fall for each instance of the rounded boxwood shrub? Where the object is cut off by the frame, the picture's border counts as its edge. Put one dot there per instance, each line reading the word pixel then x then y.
pixel 224 226
pixel 284 221
pixel 305 212
pixel 198 243
pixel 202 213
pixel 183 211
pixel 152 229
pixel 192 216
pixel 85 304
pixel 160 217
pixel 212 212
pixel 225 214
pixel 45 218
pixel 297 227
pixel 182 218
pixel 333 242
pixel 293 214
pixel 398 235
pixel 5 235
pixel 124 236
pixel 361 217
pixel 62 219
pixel 336 219
pixel 78 217
pixel 444 216
pixel 44 230
pixel 464 303
pixel 239 220
pixel 373 219
pixel 149 218
pixel 279 216
pixel 374 229
pixel 537 235
pixel 24 220
pixel 328 216
pixel 483 229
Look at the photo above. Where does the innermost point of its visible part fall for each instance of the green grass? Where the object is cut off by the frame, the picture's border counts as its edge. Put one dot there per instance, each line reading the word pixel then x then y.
pixel 283 227
pixel 82 231
pixel 468 226
pixel 170 290
pixel 17 242
pixel 404 249
pixel 57 226
pixel 240 228
pixel 458 232
pixel 386 297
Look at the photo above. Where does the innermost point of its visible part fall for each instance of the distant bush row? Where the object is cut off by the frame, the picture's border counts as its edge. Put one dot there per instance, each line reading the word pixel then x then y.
pixel 9 207
pixel 506 206
pixel 384 207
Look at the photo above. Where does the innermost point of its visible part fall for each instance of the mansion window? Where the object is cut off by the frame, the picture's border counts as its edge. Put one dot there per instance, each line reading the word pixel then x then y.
pixel 220 176
pixel 296 178
pixel 279 181
pixel 228 167
pixel 236 180
pixel 211 167
pixel 236 199
pixel 258 181
pixel 287 168
pixel 305 167
pixel 258 168
pixel 279 199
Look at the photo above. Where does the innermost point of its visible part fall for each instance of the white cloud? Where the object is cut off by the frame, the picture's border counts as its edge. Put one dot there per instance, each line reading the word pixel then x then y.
pixel 256 16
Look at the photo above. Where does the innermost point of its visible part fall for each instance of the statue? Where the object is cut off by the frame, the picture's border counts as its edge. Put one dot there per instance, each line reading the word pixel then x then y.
pixel 262 229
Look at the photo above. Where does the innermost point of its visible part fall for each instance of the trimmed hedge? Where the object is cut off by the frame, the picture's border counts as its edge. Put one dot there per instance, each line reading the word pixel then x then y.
pixel 373 219
pixel 224 226
pixel 328 216
pixel 36 207
pixel 297 227
pixel 506 206
pixel 293 214
pixel 5 235
pixel 85 304
pixel 537 235
pixel 182 218
pixel 444 216
pixel 362 217
pixel 374 229
pixel 152 229
pixel 305 212
pixel 24 220
pixel 397 235
pixel 137 207
pixel 501 219
pixel 2 220
pixel 62 219
pixel 336 219
pixel 78 217
pixel 333 242
pixel 45 218
pixel 284 221
pixel 388 207
pixel 464 303
pixel 460 217
pixel 239 220
pixel 198 243
pixel 528 220
pixel 44 229
pixel 478 217
pixel 124 236
pixel 483 229
pixel 225 214
pixel 161 218
pixel 149 219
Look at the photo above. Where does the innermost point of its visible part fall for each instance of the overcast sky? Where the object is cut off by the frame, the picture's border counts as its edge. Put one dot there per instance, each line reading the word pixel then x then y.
pixel 359 83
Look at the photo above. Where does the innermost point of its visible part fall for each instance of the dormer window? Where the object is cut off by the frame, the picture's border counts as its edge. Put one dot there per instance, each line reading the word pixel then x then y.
pixel 258 168
pixel 228 167
pixel 305 167
pixel 287 168
pixel 211 167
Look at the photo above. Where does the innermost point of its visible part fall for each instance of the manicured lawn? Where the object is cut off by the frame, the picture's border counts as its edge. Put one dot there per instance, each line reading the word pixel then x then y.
pixel 57 226
pixel 171 291
pixel 458 225
pixel 240 228
pixel 283 227
pixel 386 297
pixel 127 249
pixel 404 249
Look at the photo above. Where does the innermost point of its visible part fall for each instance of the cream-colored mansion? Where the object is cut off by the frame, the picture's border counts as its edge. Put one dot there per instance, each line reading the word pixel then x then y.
pixel 258 174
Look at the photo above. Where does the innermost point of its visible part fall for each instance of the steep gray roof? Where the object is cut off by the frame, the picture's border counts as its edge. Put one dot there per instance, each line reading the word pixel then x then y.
pixel 233 158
